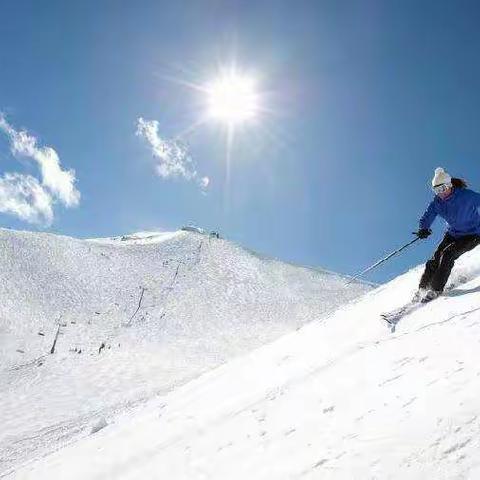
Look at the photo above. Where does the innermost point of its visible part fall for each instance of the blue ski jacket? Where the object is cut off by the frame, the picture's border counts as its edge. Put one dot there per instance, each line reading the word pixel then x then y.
pixel 461 211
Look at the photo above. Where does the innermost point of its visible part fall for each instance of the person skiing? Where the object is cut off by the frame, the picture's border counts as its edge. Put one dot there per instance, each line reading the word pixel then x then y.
pixel 460 208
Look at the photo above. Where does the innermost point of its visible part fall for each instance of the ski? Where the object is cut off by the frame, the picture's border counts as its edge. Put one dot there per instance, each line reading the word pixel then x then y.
pixel 393 317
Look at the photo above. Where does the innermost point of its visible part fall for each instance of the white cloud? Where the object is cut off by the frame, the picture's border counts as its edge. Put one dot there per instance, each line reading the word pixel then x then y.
pixel 172 158
pixel 204 182
pixel 30 199
pixel 24 197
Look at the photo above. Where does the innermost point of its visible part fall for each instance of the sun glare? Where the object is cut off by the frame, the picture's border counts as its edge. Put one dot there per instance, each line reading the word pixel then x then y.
pixel 232 98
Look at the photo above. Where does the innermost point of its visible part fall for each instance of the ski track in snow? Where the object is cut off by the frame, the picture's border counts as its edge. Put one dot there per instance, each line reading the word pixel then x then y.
pixel 340 398
pixel 139 315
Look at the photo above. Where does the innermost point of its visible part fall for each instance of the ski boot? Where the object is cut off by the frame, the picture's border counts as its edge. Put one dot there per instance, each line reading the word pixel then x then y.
pixel 430 295
pixel 419 295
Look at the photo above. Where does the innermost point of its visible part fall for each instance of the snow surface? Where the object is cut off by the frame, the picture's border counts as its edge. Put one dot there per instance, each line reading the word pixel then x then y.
pixel 138 238
pixel 341 398
pixel 137 316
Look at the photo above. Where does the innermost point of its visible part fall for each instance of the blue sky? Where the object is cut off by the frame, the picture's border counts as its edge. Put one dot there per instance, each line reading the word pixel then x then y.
pixel 362 101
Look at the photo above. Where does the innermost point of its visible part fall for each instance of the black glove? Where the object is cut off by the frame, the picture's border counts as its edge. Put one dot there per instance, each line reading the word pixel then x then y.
pixel 424 233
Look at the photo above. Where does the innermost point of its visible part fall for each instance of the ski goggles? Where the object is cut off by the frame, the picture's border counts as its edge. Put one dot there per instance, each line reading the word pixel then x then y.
pixel 444 187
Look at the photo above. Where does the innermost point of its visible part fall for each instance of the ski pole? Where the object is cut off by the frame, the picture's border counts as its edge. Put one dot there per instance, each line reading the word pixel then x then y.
pixel 376 264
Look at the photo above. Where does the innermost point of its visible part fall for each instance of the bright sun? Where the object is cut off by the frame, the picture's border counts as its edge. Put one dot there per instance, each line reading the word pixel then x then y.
pixel 232 98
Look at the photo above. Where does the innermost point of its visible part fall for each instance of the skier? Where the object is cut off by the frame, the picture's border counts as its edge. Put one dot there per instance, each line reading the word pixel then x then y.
pixel 460 208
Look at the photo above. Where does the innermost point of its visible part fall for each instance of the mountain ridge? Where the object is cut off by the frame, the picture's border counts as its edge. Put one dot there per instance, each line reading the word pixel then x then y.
pixel 135 319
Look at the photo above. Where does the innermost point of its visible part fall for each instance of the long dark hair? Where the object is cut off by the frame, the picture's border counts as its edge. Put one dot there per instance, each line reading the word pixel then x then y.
pixel 459 183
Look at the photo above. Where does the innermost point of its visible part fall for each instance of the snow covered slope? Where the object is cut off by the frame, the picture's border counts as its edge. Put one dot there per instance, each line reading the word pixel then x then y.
pixel 341 398
pixel 136 316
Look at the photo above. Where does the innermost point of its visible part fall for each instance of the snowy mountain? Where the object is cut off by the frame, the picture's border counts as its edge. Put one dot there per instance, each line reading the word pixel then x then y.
pixel 133 317
pixel 341 398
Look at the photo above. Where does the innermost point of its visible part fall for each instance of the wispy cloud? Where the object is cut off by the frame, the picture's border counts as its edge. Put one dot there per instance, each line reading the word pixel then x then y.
pixel 24 197
pixel 27 197
pixel 172 159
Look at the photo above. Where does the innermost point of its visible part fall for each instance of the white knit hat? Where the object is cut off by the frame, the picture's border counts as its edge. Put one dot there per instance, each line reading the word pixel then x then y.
pixel 441 177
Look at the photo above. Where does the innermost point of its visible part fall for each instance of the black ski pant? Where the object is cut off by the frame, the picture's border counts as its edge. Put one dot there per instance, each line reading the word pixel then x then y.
pixel 438 268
